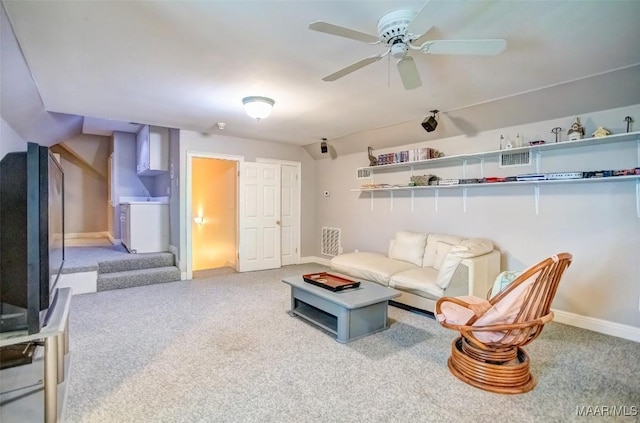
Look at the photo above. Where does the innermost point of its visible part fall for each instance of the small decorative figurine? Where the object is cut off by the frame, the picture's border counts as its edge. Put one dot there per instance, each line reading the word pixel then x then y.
pixel 600 132
pixel 519 141
pixel 508 145
pixel 556 131
pixel 373 161
pixel 576 132
pixel 629 121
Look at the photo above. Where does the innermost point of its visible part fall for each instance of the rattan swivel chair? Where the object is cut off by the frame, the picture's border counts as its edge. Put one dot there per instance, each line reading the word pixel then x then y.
pixel 489 354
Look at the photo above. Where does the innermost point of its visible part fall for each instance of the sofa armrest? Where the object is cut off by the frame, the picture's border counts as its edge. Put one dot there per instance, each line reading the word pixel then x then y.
pixel 475 275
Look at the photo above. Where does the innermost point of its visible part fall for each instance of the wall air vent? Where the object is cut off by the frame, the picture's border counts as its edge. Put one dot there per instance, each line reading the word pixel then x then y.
pixel 363 173
pixel 515 159
pixel 330 242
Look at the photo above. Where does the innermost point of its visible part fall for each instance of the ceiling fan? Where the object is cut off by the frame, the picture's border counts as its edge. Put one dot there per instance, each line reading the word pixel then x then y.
pixel 398 31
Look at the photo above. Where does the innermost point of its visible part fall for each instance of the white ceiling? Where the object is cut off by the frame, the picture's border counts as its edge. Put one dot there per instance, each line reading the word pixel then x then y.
pixel 188 65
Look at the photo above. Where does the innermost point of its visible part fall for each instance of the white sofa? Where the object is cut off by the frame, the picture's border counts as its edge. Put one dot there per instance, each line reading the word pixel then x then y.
pixel 426 267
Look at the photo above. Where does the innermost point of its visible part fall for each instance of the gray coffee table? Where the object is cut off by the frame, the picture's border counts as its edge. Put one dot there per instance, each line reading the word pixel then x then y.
pixel 349 314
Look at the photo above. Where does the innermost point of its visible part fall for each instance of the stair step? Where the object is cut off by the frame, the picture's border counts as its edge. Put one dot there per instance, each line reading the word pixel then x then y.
pixel 137 277
pixel 136 262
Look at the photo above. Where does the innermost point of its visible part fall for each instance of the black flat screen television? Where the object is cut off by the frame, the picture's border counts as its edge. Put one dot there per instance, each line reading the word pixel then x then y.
pixel 31 237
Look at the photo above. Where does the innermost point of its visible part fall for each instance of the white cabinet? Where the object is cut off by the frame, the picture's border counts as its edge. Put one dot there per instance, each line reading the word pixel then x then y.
pixel 124 225
pixel 152 144
pixel 145 227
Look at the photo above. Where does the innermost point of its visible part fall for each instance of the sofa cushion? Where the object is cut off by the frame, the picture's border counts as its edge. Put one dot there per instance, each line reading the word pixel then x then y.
pixel 473 247
pixel 409 247
pixel 467 248
pixel 373 267
pixel 421 279
pixel 437 247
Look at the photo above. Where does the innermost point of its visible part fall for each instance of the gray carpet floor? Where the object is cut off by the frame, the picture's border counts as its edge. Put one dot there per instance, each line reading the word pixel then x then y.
pixel 85 258
pixel 224 349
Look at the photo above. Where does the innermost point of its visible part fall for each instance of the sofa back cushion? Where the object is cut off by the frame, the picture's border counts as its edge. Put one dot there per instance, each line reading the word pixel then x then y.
pixel 467 248
pixel 437 248
pixel 408 246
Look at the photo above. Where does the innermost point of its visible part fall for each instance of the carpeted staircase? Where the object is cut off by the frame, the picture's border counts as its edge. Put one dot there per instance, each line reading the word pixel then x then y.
pixel 137 270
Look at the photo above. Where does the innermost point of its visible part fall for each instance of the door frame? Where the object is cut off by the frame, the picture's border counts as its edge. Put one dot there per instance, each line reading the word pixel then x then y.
pixel 298 166
pixel 188 214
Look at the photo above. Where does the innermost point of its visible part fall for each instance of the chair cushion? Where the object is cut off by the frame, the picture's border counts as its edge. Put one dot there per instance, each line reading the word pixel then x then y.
pixel 373 267
pixel 504 311
pixel 421 279
pixel 455 314
pixel 409 247
pixel 437 247
pixel 502 281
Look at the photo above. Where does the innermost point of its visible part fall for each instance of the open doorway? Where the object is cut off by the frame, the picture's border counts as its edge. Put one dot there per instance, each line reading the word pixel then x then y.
pixel 258 202
pixel 214 215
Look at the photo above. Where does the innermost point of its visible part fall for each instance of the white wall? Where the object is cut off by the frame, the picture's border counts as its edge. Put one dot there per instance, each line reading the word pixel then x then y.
pixel 85 197
pixel 10 141
pixel 251 149
pixel 596 222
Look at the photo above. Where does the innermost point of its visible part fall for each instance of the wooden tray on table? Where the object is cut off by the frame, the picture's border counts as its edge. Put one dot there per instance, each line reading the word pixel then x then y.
pixel 331 282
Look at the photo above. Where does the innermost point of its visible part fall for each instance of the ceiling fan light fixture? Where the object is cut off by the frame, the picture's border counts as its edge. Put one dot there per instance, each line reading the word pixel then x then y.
pixel 258 107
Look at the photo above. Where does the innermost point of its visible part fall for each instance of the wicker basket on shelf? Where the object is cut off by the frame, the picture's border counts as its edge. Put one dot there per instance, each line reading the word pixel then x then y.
pixel 422 180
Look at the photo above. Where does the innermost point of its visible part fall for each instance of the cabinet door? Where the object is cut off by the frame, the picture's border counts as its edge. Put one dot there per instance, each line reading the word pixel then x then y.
pixel 158 149
pixel 142 144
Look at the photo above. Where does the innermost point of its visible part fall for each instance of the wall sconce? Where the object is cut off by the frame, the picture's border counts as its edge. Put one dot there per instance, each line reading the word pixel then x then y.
pixel 258 107
pixel 199 220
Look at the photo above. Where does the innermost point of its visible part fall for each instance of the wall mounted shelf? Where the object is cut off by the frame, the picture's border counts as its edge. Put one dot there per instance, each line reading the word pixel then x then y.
pixel 586 142
pixel 618 138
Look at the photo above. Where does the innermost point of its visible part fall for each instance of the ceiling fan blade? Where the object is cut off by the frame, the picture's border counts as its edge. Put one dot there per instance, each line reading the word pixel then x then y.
pixel 343 32
pixel 421 22
pixel 409 73
pixel 470 47
pixel 354 67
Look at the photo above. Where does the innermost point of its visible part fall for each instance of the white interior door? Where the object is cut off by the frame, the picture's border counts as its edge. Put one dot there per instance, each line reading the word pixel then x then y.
pixel 259 216
pixel 289 214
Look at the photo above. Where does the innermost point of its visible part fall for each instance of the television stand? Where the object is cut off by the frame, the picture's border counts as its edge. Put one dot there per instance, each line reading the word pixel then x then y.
pixel 56 348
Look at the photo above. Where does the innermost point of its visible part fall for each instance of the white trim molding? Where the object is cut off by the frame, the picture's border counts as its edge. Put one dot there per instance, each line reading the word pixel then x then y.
pixel 315 259
pixel 74 235
pixel 598 325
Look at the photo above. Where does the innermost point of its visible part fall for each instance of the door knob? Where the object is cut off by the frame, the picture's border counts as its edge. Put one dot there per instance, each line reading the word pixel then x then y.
pixel 277 222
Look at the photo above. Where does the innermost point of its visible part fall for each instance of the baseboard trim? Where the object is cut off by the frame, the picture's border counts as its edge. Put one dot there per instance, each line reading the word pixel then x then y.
pixel 314 259
pixel 73 235
pixel 598 325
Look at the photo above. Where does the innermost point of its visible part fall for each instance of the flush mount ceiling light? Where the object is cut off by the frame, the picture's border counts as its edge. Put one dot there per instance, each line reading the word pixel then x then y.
pixel 258 107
